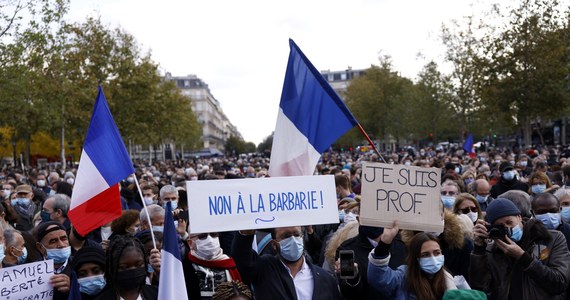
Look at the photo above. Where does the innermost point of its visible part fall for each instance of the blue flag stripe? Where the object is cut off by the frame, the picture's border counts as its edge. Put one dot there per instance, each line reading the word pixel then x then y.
pixel 311 104
pixel 104 144
pixel 169 239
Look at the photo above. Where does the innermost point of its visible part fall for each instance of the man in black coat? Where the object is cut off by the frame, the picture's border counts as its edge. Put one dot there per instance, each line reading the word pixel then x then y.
pixel 508 181
pixel 287 275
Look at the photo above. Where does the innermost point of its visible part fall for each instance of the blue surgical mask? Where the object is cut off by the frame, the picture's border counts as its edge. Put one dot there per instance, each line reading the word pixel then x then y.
pixel 22 258
pixel 432 264
pixel 91 285
pixel 45 216
pixel 22 201
pixel 292 248
pixel 538 188
pixel 565 213
pixel 149 269
pixel 341 215
pixel 481 199
pixel 173 203
pixel 468 181
pixel 516 233
pixel 59 256
pixel 550 220
pixel 157 228
pixel 448 201
pixel 509 175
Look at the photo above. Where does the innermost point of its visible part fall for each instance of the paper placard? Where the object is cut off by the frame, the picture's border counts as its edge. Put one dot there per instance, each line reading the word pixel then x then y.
pixel 398 192
pixel 239 204
pixel 27 281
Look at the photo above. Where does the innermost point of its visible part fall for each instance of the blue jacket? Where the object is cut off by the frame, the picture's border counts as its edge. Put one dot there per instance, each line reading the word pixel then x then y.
pixel 271 280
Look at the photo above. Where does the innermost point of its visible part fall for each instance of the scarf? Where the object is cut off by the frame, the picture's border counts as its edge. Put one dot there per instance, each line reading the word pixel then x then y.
pixel 227 264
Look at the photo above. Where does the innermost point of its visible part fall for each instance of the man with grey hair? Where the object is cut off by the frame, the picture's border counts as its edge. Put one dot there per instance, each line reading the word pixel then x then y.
pixel 520 199
pixel 56 208
pixel 156 215
pixel 169 193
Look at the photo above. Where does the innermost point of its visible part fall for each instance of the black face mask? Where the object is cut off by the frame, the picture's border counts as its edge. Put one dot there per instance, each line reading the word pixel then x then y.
pixel 131 279
pixel 370 232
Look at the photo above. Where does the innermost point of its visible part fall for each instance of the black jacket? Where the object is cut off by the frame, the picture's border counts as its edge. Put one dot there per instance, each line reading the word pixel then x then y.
pixel 359 288
pixel 271 279
pixel 504 186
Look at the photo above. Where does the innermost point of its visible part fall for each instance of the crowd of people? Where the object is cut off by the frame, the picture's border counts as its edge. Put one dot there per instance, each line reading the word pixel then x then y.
pixel 506 233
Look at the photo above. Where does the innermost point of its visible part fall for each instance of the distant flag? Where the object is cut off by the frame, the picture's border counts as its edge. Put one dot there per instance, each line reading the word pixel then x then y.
pixel 172 284
pixel 311 117
pixel 104 163
pixel 468 146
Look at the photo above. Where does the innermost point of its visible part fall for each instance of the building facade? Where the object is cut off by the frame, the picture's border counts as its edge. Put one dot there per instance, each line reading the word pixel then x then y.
pixel 216 127
pixel 340 80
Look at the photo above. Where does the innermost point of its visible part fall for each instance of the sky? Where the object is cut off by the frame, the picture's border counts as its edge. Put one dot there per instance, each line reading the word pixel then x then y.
pixel 240 48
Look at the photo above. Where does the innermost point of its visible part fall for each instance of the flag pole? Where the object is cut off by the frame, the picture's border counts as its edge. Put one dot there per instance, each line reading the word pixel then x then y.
pixel 370 142
pixel 146 209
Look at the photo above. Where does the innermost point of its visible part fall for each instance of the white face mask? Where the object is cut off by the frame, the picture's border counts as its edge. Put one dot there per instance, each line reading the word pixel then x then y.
pixel 70 180
pixel 106 232
pixel 41 183
pixel 349 217
pixel 148 200
pixel 208 248
pixel 473 216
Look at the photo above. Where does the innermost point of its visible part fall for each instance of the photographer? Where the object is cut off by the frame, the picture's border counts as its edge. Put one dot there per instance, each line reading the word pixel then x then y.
pixel 513 259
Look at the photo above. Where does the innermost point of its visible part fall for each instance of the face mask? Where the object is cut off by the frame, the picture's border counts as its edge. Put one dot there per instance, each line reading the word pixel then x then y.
pixel 550 220
pixel 408 163
pixel 457 170
pixel 59 256
pixel 481 199
pixel 130 180
pixel 22 258
pixel 497 161
pixel 157 228
pixel 2 254
pixel 91 285
pixel 512 162
pixel 45 216
pixel 538 188
pixel 341 215
pixel 131 279
pixel 509 175
pixel 516 233
pixel 292 248
pixel 168 173
pixel 448 201
pixel 173 203
pixel 473 216
pixel 23 201
pixel 194 178
pixel 524 163
pixel 41 183
pixel 468 181
pixel 349 217
pixel 208 248
pixel 483 159
pixel 149 269
pixel 7 193
pixel 106 232
pixel 70 181
pixel 431 265
pixel 565 213
pixel 488 173
pixel 148 200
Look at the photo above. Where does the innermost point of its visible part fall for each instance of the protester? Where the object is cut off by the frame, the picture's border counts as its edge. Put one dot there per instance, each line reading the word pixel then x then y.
pixel 89 265
pixel 423 277
pixel 481 190
pixel 467 205
pixel 508 181
pixel 55 208
pixel 23 208
pixel 449 190
pixel 563 195
pixel 15 251
pixel 539 183
pixel 286 275
pixel 53 243
pixel 526 260
pixel 125 271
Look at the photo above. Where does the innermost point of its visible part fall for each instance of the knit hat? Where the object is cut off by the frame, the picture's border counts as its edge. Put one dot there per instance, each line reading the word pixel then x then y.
pixel 464 294
pixel 88 254
pixel 499 208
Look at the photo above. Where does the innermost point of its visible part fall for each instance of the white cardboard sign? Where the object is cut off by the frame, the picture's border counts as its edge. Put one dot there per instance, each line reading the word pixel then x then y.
pixel 27 281
pixel 256 203
pixel 398 192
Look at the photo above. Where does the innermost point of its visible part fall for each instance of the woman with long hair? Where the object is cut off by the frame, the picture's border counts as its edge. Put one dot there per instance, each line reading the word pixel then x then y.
pixel 422 278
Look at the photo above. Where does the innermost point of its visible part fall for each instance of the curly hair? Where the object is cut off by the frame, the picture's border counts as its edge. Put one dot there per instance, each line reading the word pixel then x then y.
pixel 128 218
pixel 115 251
pixel 229 290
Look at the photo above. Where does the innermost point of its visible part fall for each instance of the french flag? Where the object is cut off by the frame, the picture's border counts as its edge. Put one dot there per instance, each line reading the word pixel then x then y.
pixel 172 284
pixel 311 117
pixel 468 146
pixel 104 163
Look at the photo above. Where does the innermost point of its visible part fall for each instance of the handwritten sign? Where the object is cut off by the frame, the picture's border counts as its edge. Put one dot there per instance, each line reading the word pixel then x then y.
pixel 397 192
pixel 27 281
pixel 226 205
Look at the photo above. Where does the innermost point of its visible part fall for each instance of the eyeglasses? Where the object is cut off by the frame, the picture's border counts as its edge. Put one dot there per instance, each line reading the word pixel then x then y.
pixel 468 209
pixel 203 236
pixel 448 193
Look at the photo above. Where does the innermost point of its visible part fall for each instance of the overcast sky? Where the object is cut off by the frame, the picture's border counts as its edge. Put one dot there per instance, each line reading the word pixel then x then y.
pixel 240 48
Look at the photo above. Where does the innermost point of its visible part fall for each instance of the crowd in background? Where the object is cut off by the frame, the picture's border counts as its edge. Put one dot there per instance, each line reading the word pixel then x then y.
pixel 506 232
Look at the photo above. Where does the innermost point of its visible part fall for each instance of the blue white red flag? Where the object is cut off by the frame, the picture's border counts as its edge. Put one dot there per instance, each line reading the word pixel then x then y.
pixel 172 284
pixel 311 117
pixel 103 164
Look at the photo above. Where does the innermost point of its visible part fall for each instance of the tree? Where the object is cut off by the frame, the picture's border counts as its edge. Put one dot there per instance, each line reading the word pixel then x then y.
pixel 266 144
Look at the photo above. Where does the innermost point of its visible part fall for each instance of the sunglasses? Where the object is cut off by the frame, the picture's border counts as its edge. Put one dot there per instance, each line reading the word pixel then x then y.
pixel 468 209
pixel 203 236
pixel 447 193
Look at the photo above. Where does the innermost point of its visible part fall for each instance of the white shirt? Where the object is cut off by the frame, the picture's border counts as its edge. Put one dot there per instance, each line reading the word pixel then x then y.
pixel 303 282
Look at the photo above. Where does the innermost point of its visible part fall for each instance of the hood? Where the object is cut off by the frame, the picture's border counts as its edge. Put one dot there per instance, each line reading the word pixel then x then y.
pixel 347 232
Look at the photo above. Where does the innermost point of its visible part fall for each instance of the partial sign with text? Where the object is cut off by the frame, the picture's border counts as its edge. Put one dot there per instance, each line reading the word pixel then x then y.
pixel 27 281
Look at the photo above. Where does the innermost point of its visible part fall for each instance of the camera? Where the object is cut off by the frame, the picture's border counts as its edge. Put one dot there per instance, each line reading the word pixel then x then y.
pixel 497 231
